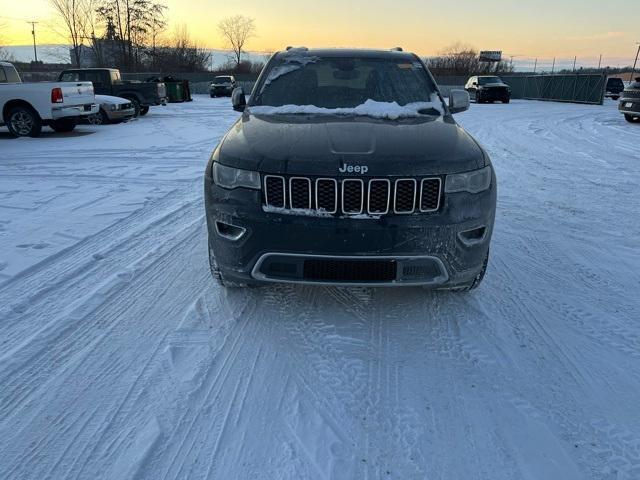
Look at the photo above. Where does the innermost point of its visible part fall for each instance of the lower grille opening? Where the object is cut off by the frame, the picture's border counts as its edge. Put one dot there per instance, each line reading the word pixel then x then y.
pixel 350 270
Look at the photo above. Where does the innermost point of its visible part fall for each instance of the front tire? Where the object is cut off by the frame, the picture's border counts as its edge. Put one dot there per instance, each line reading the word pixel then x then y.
pixel 23 121
pixel 64 125
pixel 144 110
pixel 99 118
pixel 136 106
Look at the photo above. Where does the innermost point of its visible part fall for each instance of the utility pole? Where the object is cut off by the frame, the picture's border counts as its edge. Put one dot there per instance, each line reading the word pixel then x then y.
pixel 553 67
pixel 600 62
pixel 33 33
pixel 535 65
pixel 574 63
pixel 633 70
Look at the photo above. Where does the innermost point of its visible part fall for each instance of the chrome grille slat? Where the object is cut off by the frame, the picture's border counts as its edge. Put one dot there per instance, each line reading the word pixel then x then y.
pixel 372 190
pixel 354 196
pixel 350 196
pixel 324 196
pixel 300 193
pixel 430 194
pixel 272 183
pixel 407 202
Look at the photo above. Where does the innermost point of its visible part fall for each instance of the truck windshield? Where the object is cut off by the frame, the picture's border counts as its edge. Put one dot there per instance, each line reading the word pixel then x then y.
pixel 220 80
pixel 344 82
pixel 488 80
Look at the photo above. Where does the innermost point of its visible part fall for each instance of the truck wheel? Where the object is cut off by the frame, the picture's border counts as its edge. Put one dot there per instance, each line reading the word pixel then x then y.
pixel 136 106
pixel 63 125
pixel 478 97
pixel 99 118
pixel 631 118
pixel 506 100
pixel 144 110
pixel 23 122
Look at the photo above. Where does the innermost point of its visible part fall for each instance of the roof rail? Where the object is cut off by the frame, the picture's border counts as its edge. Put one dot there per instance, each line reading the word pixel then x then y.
pixel 397 49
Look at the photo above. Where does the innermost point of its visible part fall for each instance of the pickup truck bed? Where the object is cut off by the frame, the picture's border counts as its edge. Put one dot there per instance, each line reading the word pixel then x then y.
pixel 26 107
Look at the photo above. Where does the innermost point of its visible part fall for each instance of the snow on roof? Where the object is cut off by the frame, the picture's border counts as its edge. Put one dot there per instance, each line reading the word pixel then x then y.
pixel 370 108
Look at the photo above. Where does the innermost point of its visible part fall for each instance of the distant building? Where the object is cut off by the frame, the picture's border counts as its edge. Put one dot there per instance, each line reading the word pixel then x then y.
pixel 103 53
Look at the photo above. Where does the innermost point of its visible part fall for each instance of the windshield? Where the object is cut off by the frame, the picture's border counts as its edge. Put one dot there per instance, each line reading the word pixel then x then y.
pixel 615 82
pixel 219 80
pixel 340 82
pixel 488 80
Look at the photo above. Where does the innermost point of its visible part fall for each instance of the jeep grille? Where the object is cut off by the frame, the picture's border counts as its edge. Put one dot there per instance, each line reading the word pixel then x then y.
pixel 353 196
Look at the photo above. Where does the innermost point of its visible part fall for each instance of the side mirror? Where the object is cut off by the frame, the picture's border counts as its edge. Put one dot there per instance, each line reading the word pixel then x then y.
pixel 459 101
pixel 475 84
pixel 238 100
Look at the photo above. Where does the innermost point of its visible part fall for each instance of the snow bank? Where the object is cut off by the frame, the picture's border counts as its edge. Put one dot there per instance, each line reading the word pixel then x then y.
pixel 370 108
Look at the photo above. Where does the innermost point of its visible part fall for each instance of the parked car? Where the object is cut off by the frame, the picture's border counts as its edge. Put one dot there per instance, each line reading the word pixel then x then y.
pixel 347 167
pixel 614 88
pixel 26 107
pixel 222 86
pixel 112 110
pixel 487 88
pixel 630 102
pixel 107 81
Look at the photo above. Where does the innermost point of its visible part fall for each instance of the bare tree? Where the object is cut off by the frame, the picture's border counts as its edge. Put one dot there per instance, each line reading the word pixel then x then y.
pixel 77 17
pixel 4 55
pixel 462 59
pixel 236 31
pixel 180 54
pixel 131 25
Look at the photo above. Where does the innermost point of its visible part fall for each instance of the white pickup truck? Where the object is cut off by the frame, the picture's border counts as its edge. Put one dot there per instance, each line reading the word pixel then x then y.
pixel 26 107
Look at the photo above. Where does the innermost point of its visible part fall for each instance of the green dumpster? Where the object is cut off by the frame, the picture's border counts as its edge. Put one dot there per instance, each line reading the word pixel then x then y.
pixel 175 91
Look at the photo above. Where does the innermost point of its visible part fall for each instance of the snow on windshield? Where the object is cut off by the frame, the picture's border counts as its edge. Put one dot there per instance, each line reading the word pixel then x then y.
pixel 370 108
pixel 294 59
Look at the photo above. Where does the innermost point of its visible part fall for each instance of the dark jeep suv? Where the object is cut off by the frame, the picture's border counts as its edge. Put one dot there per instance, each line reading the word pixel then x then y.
pixel 488 89
pixel 347 167
pixel 630 102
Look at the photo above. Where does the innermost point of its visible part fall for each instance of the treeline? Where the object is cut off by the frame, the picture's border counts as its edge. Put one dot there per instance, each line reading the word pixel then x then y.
pixel 465 61
pixel 132 35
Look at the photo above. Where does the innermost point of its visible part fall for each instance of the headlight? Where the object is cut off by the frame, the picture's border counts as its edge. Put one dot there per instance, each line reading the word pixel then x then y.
pixel 472 182
pixel 229 177
pixel 113 107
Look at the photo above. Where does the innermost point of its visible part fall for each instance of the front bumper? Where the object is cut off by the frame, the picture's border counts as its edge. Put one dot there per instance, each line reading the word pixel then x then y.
pixel 221 90
pixel 490 94
pixel 442 250
pixel 630 106
pixel 74 111
pixel 120 115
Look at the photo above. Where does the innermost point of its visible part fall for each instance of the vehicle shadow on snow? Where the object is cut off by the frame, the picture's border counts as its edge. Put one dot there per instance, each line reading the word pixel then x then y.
pixel 340 306
pixel 51 134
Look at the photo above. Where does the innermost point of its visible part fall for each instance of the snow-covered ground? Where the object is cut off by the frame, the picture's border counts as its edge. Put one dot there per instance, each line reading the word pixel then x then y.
pixel 120 358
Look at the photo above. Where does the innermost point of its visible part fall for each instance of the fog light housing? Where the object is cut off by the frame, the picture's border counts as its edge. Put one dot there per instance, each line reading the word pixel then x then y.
pixel 230 232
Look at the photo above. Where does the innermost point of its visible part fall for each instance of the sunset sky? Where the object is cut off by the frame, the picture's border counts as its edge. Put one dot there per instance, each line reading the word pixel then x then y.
pixel 540 28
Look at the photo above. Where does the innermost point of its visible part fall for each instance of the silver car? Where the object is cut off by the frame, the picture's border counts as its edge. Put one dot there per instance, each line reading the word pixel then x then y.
pixel 112 110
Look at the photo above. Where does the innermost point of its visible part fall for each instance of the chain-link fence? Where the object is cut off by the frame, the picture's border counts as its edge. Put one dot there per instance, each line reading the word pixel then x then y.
pixel 574 88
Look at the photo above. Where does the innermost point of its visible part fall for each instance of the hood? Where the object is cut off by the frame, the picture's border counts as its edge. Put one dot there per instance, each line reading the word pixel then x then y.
pixel 324 145
pixel 108 99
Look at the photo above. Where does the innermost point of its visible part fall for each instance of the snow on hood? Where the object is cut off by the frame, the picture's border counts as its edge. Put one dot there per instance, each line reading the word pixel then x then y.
pixel 294 59
pixel 370 108
pixel 110 99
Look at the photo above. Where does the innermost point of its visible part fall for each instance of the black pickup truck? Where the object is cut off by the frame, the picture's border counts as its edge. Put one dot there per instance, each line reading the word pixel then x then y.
pixel 107 81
